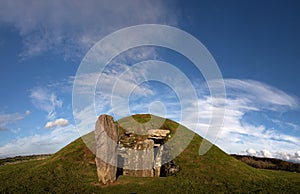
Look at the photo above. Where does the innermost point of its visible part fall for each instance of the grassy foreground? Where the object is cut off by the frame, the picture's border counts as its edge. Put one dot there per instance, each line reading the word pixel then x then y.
pixel 73 170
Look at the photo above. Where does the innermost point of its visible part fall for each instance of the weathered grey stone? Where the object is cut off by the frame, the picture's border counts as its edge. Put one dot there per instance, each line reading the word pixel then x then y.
pixel 139 160
pixel 106 135
pixel 158 161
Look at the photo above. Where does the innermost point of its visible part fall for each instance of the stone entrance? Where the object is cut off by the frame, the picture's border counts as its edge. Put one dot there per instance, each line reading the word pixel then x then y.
pixel 135 154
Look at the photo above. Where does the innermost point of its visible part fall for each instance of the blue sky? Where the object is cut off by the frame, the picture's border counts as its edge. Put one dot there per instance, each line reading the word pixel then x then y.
pixel 256 45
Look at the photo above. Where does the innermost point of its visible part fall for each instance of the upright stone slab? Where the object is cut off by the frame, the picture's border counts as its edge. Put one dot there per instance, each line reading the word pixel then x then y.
pixel 106 135
pixel 158 161
pixel 140 159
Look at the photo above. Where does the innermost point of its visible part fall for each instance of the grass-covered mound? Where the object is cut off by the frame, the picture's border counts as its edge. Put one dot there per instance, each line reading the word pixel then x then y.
pixel 73 170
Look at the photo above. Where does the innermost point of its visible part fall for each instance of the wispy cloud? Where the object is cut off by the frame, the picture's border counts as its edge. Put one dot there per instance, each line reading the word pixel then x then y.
pixel 46 101
pixel 5 119
pixel 61 26
pixel 260 94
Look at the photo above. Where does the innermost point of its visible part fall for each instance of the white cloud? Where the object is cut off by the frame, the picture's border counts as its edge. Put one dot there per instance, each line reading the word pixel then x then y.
pixel 46 101
pixel 58 122
pixel 251 152
pixel 266 153
pixel 61 122
pixel 61 26
pixel 27 112
pixel 287 156
pixel 292 157
pixel 49 124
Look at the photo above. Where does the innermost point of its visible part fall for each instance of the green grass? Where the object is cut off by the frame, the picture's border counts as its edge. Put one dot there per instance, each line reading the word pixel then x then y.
pixel 73 170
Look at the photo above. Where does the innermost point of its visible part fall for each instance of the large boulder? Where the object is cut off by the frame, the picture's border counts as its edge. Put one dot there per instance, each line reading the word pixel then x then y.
pixel 106 135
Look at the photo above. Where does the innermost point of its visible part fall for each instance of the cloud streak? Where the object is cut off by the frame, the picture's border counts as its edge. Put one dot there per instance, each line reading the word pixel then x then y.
pixel 260 94
pixel 46 101
pixel 6 119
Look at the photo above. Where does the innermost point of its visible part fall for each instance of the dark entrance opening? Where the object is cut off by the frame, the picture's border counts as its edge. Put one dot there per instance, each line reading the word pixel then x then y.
pixel 120 166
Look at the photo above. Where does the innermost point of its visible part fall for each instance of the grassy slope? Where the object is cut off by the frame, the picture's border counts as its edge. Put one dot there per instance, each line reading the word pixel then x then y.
pixel 72 169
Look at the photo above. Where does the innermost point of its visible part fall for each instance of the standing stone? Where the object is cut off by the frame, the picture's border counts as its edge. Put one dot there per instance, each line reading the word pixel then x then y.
pixel 106 135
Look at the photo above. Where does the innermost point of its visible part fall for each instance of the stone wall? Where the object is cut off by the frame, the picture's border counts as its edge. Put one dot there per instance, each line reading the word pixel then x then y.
pixel 142 155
